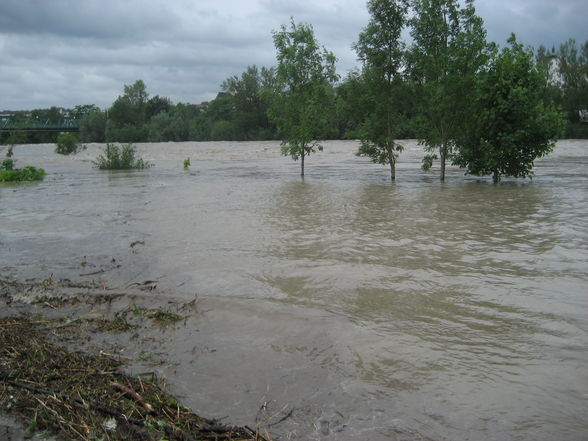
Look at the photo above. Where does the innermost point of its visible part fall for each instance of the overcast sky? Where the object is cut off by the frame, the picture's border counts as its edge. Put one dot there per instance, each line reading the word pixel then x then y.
pixel 67 52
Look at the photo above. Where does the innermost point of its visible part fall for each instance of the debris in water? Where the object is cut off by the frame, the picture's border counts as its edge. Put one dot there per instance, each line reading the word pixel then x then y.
pixel 87 397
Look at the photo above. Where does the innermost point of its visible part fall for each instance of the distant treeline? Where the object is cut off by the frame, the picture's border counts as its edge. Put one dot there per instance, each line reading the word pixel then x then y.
pixel 240 110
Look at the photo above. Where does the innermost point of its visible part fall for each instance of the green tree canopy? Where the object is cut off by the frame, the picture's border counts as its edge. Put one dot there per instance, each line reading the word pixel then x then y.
pixel 573 71
pixel 381 52
pixel 127 116
pixel 510 126
pixel 78 112
pixel 155 105
pixel 250 103
pixel 449 49
pixel 93 126
pixel 303 95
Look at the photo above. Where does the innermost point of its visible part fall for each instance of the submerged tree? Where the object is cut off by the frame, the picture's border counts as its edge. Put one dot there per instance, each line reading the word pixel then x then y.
pixel 510 125
pixel 382 54
pixel 302 99
pixel 449 49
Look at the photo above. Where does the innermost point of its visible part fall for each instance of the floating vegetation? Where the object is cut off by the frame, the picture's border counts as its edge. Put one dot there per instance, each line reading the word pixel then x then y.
pixel 157 315
pixel 87 397
pixel 118 324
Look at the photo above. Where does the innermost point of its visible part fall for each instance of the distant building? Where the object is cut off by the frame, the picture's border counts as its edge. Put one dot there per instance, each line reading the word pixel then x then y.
pixel 6 114
pixel 9 115
pixel 554 76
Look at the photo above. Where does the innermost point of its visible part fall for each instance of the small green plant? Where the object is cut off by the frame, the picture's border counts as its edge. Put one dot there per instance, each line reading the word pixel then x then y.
pixel 10 174
pixel 67 144
pixel 186 163
pixel 120 158
pixel 27 173
pixel 8 163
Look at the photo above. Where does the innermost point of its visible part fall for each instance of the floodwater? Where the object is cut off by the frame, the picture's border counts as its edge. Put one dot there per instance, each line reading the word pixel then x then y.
pixel 348 307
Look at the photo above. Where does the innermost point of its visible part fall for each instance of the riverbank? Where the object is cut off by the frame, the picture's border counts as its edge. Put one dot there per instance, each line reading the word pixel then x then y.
pixel 64 367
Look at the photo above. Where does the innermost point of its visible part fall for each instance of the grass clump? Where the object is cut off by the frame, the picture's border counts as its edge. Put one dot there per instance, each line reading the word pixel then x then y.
pixel 10 174
pixel 68 144
pixel 186 163
pixel 158 315
pixel 120 158
pixel 117 324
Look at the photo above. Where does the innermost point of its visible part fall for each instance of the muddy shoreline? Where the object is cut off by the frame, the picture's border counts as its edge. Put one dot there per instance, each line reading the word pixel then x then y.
pixel 52 328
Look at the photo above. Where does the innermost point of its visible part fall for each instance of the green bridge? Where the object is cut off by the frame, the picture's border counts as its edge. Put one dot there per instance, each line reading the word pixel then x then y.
pixel 63 125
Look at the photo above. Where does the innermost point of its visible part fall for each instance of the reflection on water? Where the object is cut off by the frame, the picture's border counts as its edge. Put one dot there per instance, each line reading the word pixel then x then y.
pixel 417 310
pixel 414 241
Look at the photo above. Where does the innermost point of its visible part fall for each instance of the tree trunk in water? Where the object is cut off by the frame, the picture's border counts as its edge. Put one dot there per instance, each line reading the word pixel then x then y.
pixel 442 154
pixel 390 146
pixel 392 171
pixel 302 165
pixel 495 177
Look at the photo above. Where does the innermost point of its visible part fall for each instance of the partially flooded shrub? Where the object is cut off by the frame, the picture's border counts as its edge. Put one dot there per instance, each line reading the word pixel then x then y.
pixel 120 158
pixel 67 144
pixel 27 173
pixel 8 162
pixel 10 174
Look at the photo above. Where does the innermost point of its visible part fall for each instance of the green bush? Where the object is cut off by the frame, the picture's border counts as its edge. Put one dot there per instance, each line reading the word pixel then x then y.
pixel 222 131
pixel 120 158
pixel 9 174
pixel 27 173
pixel 186 163
pixel 8 162
pixel 67 144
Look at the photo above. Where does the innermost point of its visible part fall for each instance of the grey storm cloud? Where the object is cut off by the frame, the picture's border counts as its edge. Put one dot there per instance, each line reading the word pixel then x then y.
pixel 535 22
pixel 68 52
pixel 107 20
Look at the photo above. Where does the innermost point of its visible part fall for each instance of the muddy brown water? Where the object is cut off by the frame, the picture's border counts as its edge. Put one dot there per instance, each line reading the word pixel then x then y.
pixel 355 308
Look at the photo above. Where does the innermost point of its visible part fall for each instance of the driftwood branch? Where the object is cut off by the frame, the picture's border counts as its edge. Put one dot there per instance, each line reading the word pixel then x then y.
pixel 134 396
pixel 5 376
